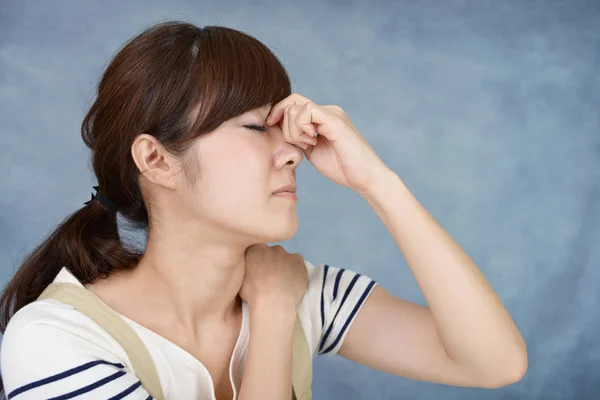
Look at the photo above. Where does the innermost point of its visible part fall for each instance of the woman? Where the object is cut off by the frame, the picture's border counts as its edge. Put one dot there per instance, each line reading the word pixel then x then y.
pixel 195 136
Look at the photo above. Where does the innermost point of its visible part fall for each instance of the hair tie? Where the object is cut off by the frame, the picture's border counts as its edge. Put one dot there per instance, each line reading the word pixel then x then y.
pixel 109 205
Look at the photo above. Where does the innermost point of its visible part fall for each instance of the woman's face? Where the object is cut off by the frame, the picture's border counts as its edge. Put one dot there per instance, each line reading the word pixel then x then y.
pixel 240 165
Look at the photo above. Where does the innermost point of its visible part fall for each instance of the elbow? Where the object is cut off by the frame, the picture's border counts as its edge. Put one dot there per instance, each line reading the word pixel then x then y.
pixel 511 368
pixel 510 374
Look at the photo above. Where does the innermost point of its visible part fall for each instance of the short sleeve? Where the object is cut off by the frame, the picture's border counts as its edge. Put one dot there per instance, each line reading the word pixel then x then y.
pixel 42 361
pixel 335 297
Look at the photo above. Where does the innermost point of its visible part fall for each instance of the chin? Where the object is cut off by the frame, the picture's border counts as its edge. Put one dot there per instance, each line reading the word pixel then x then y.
pixel 282 232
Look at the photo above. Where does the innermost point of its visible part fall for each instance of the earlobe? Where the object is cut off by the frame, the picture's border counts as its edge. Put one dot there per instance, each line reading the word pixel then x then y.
pixel 153 161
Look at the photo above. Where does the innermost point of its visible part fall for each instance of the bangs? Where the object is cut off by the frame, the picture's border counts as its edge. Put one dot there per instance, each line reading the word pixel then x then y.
pixel 236 73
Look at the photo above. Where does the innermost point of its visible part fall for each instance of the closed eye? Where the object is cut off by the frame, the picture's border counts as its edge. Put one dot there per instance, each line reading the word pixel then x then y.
pixel 256 128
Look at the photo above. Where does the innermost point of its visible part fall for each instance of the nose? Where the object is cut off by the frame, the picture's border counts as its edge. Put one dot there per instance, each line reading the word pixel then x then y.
pixel 286 154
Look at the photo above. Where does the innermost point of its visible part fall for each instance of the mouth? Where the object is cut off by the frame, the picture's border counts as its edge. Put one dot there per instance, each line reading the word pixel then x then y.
pixel 286 191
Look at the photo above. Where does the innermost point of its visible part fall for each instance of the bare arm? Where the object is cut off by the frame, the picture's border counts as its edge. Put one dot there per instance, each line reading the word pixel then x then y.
pixel 465 337
pixel 268 372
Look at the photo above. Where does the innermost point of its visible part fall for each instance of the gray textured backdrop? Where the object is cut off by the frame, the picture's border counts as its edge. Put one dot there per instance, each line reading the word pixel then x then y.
pixel 487 109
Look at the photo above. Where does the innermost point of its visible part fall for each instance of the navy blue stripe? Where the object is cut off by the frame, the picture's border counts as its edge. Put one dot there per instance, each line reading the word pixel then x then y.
pixel 322 294
pixel 149 398
pixel 126 391
pixel 91 387
pixel 60 376
pixel 337 282
pixel 356 307
pixel 346 294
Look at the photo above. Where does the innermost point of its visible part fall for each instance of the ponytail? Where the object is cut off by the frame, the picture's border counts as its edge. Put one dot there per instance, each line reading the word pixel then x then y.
pixel 87 243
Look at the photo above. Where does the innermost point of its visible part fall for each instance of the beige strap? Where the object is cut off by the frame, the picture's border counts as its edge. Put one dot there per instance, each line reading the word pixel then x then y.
pixel 94 308
pixel 141 360
pixel 301 365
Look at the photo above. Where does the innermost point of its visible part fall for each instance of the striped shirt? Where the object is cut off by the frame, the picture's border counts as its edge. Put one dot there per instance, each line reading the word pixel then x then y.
pixel 51 351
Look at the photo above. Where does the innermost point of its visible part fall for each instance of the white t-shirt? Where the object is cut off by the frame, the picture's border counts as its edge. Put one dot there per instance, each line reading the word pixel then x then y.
pixel 50 350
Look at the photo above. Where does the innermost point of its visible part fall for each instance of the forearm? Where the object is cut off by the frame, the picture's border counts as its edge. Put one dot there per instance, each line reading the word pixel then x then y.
pixel 475 328
pixel 268 371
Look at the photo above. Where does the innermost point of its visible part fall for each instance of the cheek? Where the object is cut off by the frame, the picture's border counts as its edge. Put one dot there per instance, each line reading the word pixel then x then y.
pixel 235 174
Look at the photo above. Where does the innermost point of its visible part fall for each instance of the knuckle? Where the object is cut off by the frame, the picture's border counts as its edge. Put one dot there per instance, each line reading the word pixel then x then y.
pixel 294 110
pixel 298 96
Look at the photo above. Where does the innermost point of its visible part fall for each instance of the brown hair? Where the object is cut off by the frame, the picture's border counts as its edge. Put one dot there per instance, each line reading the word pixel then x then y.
pixel 176 82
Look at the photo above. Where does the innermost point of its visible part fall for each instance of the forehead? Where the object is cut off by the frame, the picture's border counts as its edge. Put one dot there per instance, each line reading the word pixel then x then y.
pixel 261 110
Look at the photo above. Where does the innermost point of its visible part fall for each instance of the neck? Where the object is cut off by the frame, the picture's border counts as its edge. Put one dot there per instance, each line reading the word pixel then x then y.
pixel 193 281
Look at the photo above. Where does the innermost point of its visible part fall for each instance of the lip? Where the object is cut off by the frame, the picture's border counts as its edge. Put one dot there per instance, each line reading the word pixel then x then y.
pixel 286 191
pixel 290 195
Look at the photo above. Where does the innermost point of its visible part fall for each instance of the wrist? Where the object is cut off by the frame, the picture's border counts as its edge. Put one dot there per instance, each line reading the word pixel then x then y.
pixel 383 180
pixel 280 308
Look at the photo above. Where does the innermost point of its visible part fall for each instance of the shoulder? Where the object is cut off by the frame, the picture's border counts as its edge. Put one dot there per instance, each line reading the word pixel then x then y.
pixel 41 319
pixel 333 298
pixel 46 338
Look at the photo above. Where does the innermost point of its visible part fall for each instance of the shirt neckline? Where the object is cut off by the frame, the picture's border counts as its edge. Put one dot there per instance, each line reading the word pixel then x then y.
pixel 65 275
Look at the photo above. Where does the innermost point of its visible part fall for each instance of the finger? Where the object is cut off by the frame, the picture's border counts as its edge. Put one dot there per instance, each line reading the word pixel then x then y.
pixel 277 110
pixel 309 140
pixel 307 152
pixel 287 128
pixel 308 131
pixel 302 146
pixel 295 131
pixel 305 121
pixel 312 116
pixel 335 108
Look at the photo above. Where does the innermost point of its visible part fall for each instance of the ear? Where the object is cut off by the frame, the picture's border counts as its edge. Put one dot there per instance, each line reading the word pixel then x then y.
pixel 154 162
